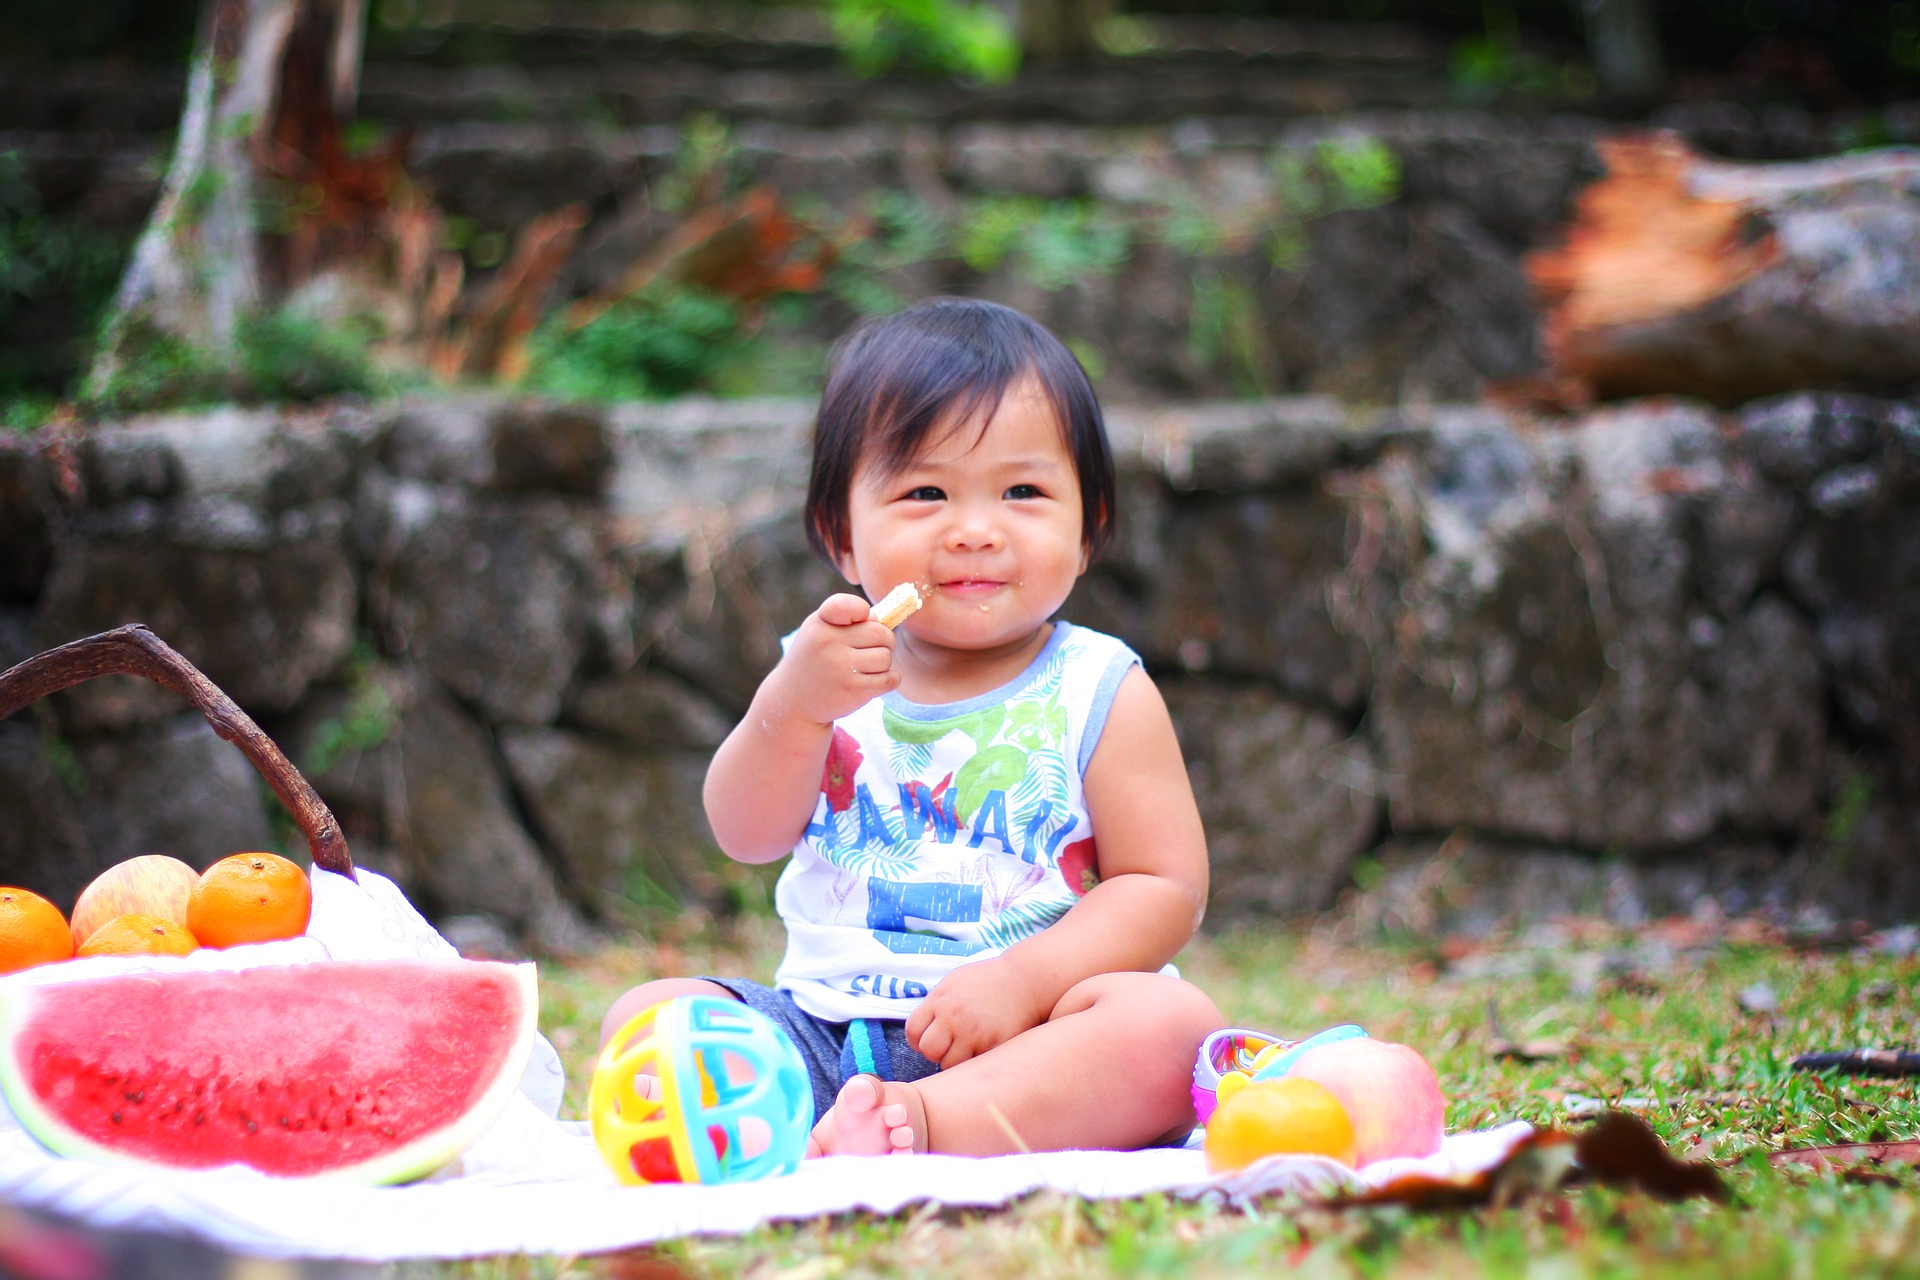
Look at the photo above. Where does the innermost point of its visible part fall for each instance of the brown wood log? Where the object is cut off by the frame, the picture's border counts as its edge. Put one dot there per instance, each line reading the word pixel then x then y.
pixel 1687 276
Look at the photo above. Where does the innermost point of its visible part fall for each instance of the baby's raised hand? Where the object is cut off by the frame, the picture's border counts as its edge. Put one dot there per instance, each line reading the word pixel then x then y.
pixel 975 1008
pixel 840 660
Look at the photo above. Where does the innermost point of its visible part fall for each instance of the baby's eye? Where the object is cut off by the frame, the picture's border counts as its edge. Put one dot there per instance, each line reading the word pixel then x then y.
pixel 1019 491
pixel 926 493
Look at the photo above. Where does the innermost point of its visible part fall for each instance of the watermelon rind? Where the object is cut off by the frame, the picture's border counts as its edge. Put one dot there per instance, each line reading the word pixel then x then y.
pixel 425 1154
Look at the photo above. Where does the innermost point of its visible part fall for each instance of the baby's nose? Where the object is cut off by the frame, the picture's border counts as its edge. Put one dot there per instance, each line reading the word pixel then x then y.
pixel 973 529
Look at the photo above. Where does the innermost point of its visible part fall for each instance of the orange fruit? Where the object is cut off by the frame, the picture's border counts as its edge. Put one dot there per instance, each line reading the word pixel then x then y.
pixel 32 931
pixel 1272 1117
pixel 250 897
pixel 150 885
pixel 139 935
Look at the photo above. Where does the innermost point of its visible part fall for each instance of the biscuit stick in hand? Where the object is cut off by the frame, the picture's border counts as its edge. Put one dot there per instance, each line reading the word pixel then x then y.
pixel 895 607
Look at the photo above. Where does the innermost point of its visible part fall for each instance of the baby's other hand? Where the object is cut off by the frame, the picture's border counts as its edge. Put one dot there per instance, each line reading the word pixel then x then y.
pixel 840 660
pixel 975 1008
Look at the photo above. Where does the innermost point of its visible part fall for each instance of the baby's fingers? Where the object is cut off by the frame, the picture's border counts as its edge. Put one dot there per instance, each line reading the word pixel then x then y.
pixel 874 661
pixel 843 610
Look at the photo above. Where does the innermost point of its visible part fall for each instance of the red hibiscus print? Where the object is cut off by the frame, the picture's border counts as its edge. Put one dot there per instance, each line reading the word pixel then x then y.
pixel 843 761
pixel 1080 866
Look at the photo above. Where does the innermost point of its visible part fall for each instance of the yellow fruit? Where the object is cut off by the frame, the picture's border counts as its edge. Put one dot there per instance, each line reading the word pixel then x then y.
pixel 139 935
pixel 150 885
pixel 250 897
pixel 32 931
pixel 1273 1117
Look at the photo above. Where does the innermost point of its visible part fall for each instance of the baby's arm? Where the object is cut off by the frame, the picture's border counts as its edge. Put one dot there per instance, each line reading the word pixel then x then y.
pixel 1152 891
pixel 764 782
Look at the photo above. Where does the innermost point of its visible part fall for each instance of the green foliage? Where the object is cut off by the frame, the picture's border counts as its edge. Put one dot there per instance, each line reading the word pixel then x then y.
pixel 25 414
pixel 292 357
pixel 1850 807
pixel 1223 328
pixel 55 276
pixel 944 37
pixel 905 231
pixel 277 356
pixel 366 721
pixel 1485 66
pixel 663 341
pixel 1332 176
pixel 1051 242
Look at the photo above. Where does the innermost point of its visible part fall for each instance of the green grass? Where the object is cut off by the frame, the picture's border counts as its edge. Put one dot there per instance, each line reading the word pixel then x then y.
pixel 1654 1021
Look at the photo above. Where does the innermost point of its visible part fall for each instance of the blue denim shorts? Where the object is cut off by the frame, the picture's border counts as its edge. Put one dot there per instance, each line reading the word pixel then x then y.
pixel 835 1052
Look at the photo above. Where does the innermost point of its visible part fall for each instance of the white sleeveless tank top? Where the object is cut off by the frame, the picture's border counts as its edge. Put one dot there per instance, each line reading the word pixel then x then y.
pixel 945 834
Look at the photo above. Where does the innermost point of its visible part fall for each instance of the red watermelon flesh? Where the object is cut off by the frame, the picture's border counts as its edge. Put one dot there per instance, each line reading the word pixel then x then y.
pixel 376 1071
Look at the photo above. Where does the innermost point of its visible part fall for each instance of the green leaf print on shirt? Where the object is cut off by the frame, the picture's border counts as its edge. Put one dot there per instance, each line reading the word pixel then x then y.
pixel 997 768
pixel 1034 724
pixel 979 725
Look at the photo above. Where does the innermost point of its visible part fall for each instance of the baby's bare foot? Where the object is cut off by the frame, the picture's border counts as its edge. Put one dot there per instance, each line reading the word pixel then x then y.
pixel 871 1117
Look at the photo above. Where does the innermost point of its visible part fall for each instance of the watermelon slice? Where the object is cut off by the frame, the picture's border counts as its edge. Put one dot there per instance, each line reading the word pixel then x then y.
pixel 373 1071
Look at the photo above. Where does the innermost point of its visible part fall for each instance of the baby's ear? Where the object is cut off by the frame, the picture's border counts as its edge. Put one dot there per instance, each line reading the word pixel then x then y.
pixel 843 561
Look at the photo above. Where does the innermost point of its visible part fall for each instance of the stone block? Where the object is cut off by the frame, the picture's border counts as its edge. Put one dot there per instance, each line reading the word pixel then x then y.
pixel 26 498
pixel 628 828
pixel 515 446
pixel 1553 678
pixel 715 617
pixel 1245 592
pixel 650 711
pixel 497 597
pixel 265 458
pixel 44 844
pixel 176 788
pixel 1287 795
pixel 433 788
pixel 264 614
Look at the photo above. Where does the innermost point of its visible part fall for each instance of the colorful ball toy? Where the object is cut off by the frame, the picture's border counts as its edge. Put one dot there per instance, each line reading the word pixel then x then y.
pixel 728 1081
pixel 1234 1057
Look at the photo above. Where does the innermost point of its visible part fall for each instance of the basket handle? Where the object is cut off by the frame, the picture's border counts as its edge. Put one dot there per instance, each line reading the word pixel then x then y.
pixel 134 650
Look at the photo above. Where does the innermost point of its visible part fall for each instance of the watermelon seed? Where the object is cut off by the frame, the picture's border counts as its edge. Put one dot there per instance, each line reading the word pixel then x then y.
pixel 199 1117
pixel 252 1127
pixel 138 1095
pixel 116 1117
pixel 386 1131
pixel 285 1123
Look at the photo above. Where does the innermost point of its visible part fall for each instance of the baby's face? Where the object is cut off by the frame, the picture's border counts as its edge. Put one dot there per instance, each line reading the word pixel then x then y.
pixel 990 522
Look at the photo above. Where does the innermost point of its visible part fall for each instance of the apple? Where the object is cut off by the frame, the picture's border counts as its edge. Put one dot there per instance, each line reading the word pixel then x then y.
pixel 152 884
pixel 1389 1090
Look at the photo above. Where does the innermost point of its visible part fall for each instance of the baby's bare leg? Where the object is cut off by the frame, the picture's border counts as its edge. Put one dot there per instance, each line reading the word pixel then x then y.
pixel 1112 1068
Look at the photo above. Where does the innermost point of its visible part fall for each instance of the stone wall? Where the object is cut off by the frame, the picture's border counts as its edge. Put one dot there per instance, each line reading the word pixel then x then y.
pixel 1652 654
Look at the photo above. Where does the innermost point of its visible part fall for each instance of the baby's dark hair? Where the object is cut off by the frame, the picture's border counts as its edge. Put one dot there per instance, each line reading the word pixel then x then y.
pixel 898 379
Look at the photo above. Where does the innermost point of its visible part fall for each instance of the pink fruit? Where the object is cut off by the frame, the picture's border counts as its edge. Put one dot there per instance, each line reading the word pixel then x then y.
pixel 1388 1089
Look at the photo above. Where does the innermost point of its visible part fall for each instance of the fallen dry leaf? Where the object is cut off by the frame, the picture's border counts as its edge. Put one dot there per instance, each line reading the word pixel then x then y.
pixel 1622 1150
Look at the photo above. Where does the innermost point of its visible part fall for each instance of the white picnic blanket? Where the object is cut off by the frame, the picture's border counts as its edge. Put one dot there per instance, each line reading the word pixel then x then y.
pixel 536 1184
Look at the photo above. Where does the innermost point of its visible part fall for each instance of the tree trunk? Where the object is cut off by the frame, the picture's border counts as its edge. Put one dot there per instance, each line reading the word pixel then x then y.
pixel 196 270
pixel 1050 29
pixel 1688 276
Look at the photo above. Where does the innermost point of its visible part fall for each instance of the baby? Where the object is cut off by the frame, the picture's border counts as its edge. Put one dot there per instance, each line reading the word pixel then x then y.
pixel 995 849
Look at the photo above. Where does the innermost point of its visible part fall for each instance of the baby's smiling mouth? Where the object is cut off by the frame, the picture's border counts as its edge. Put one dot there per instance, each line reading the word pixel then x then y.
pixel 964 585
